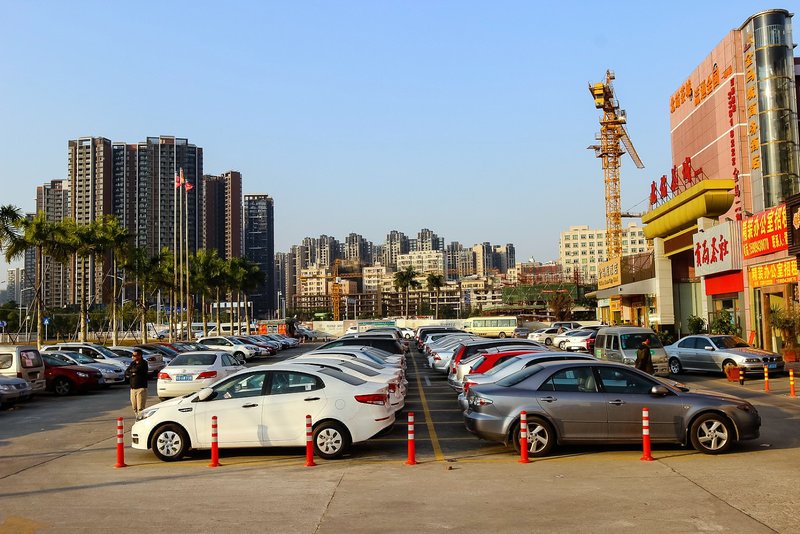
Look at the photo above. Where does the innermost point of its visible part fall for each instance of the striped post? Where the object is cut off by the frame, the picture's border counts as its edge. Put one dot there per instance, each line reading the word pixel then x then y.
pixel 309 443
pixel 791 383
pixel 741 376
pixel 766 379
pixel 120 444
pixel 646 456
pixel 412 448
pixel 523 437
pixel 214 443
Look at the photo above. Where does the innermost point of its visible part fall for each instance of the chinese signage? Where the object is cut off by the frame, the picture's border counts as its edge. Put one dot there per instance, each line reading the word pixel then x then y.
pixel 783 272
pixel 732 120
pixel 610 274
pixel 704 89
pixel 615 304
pixel 793 223
pixel 751 101
pixel 716 250
pixel 682 178
pixel 764 233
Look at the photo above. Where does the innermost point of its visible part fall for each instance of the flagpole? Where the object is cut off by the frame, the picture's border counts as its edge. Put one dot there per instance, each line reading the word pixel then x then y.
pixel 188 187
pixel 181 299
pixel 174 255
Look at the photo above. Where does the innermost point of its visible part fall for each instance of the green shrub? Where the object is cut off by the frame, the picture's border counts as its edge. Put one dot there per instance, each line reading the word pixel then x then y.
pixel 696 325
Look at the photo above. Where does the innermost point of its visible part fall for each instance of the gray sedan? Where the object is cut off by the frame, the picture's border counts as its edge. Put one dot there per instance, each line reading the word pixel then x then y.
pixel 601 402
pixel 715 353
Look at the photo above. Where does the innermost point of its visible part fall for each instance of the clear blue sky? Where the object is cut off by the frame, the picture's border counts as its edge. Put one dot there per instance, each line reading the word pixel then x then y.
pixel 470 118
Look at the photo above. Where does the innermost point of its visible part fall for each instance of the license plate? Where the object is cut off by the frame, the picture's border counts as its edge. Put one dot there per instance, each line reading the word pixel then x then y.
pixel 183 378
pixel 772 366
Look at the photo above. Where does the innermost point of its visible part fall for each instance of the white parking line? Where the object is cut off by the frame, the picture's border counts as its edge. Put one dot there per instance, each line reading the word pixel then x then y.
pixel 428 383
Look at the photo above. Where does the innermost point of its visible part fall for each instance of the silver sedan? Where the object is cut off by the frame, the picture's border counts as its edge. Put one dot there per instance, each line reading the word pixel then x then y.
pixel 715 353
pixel 601 402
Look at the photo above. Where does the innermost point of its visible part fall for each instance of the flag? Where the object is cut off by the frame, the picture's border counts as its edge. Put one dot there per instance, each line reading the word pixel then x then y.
pixel 183 180
pixel 189 186
pixel 177 181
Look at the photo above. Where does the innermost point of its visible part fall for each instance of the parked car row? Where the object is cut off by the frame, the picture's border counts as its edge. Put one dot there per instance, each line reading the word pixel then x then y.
pixel 351 390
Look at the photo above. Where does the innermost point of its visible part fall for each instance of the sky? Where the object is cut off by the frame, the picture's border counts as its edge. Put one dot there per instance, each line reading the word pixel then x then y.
pixel 469 118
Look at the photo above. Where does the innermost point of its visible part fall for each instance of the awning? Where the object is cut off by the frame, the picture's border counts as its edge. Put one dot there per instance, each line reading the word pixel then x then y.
pixel 642 287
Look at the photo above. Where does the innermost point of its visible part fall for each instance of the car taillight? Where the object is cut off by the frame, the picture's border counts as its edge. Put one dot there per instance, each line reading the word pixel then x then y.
pixel 392 388
pixel 164 376
pixel 468 385
pixel 378 399
pixel 206 374
pixel 437 357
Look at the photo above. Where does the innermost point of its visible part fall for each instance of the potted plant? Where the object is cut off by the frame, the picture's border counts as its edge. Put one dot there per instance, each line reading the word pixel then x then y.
pixel 787 322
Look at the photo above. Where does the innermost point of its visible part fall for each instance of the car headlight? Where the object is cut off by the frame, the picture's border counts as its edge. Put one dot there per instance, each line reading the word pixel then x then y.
pixel 628 361
pixel 6 387
pixel 752 360
pixel 82 374
pixel 147 413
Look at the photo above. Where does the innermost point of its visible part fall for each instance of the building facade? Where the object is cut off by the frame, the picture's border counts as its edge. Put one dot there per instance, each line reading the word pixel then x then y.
pixel 582 249
pixel 222 214
pixel 259 247
pixel 53 199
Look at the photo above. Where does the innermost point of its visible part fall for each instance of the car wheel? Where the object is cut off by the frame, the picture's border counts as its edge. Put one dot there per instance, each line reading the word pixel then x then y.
pixel 562 345
pixel 502 335
pixel 62 386
pixel 712 433
pixel 331 440
pixel 675 366
pixel 169 443
pixel 541 437
pixel 240 356
pixel 548 341
pixel 726 364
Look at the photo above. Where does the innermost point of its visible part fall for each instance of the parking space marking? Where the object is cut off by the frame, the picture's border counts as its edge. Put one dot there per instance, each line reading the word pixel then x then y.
pixel 427 381
pixel 437 448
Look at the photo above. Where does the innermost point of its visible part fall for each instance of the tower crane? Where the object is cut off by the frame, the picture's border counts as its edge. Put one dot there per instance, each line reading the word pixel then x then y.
pixel 612 135
pixel 336 290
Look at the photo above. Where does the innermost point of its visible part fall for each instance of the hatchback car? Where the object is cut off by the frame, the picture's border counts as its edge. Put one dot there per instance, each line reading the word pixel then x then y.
pixel 716 353
pixel 602 402
pixel 266 406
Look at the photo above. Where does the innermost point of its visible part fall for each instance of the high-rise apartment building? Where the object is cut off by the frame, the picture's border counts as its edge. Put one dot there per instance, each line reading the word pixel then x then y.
pixel 327 251
pixel 583 249
pixel 504 257
pixel 53 199
pixel 396 244
pixel 423 261
pixel 357 249
pixel 483 258
pixel 124 200
pixel 90 170
pixel 222 214
pixel 427 240
pixel 259 247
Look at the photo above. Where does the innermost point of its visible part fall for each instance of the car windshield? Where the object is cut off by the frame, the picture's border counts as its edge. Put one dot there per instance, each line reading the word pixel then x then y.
pixel 634 341
pixel 515 378
pixel 581 333
pixel 56 360
pixel 80 358
pixel 352 380
pixel 107 352
pixel 194 359
pixel 729 342
pixel 477 362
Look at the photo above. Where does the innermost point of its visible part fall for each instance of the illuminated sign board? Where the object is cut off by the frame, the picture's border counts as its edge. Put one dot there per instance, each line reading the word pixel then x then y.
pixel 782 272
pixel 610 274
pixel 764 233
pixel 716 250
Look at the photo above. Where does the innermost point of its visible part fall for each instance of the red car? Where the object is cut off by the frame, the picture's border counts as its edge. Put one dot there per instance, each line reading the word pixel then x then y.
pixel 63 378
pixel 490 359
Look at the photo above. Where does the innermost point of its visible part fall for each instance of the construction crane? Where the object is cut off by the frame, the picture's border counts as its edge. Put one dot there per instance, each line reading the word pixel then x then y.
pixel 336 290
pixel 612 135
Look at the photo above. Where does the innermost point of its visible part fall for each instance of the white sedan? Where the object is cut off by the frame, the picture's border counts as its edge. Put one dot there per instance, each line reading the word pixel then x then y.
pixel 266 406
pixel 390 377
pixel 192 371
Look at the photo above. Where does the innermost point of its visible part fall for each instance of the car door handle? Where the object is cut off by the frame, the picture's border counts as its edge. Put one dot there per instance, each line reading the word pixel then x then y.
pixel 249 405
pixel 617 402
pixel 548 399
pixel 311 399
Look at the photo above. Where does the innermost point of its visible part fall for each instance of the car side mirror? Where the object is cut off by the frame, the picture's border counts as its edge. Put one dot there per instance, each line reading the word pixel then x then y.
pixel 708 347
pixel 659 391
pixel 206 394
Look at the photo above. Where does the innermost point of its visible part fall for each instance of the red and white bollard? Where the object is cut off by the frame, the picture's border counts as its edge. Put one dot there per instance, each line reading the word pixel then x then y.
pixel 766 379
pixel 523 438
pixel 646 456
pixel 791 383
pixel 120 444
pixel 412 448
pixel 309 443
pixel 214 444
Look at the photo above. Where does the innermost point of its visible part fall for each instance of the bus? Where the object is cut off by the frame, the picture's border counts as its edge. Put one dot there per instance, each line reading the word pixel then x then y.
pixel 491 326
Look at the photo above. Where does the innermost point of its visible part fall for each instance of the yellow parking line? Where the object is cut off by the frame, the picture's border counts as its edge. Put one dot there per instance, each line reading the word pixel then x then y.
pixel 437 448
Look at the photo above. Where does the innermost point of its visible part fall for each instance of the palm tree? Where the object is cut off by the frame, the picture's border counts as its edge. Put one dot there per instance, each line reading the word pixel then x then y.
pixel 435 283
pixel 87 243
pixel 253 279
pixel 48 239
pixel 9 218
pixel 236 273
pixel 117 239
pixel 405 279
pixel 151 274
pixel 206 267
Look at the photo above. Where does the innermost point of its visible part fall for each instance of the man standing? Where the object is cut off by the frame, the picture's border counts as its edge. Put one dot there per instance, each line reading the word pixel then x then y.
pixel 644 362
pixel 136 373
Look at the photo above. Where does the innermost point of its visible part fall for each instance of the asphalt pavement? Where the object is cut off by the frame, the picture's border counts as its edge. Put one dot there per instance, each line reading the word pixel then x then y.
pixel 57 475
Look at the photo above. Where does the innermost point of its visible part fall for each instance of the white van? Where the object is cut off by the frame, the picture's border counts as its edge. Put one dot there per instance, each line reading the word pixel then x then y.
pixel 22 361
pixel 230 329
pixel 620 343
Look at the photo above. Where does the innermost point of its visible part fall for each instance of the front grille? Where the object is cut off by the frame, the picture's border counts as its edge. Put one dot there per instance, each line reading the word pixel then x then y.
pixel 21 386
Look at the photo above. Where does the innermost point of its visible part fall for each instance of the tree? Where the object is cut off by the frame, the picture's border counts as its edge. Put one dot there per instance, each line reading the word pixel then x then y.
pixel 235 274
pixel 9 219
pixel 151 274
pixel 254 277
pixel 206 268
pixel 87 242
pixel 561 305
pixel 435 283
pixel 405 279
pixel 48 239
pixel 115 238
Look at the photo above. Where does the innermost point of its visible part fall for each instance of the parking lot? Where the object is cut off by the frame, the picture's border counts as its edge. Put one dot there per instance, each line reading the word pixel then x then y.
pixel 57 457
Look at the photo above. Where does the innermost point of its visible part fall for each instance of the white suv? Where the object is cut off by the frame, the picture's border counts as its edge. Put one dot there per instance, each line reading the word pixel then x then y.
pixel 240 350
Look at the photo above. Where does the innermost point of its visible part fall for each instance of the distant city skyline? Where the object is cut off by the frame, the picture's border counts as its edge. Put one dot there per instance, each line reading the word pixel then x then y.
pixel 457 116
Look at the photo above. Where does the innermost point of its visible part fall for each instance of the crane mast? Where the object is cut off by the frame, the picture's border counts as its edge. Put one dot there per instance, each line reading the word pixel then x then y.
pixel 612 137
